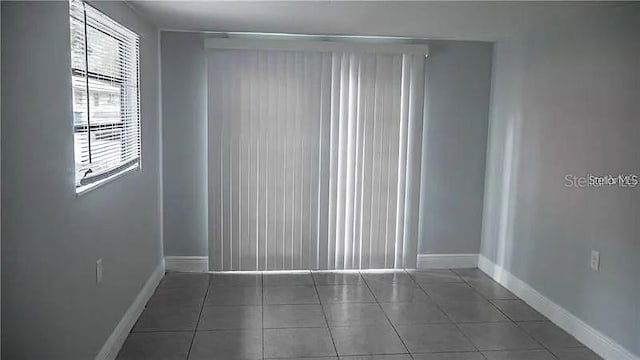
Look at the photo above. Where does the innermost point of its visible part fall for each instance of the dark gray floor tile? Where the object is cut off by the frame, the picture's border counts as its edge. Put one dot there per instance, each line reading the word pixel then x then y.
pixel 450 356
pixel 471 274
pixel 227 345
pixel 280 279
pixel 298 343
pixel 385 277
pixel 345 293
pixel 414 313
pixel 166 318
pixel 308 358
pixel 434 338
pixel 236 280
pixel 550 335
pixel 234 296
pixel 290 295
pixel 377 357
pixel 337 278
pixel 230 318
pixel 156 346
pixel 576 354
pixel 498 336
pixel 178 297
pixel 434 276
pixel 518 310
pixel 290 316
pixel 445 292
pixel 181 280
pixel 472 311
pixel 350 314
pixel 399 293
pixel 519 355
pixel 491 289
pixel 367 340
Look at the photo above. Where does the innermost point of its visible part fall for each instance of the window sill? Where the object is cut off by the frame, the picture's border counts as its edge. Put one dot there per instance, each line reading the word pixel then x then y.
pixel 83 189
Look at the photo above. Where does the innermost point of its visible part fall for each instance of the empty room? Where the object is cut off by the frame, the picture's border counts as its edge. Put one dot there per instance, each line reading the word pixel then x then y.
pixel 317 180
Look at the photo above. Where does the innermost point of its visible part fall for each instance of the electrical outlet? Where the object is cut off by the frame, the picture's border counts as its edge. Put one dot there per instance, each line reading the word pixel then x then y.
pixel 99 272
pixel 595 260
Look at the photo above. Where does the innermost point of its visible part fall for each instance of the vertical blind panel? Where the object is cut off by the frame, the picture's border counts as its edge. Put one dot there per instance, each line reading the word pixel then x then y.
pixel 368 160
pixel 265 116
pixel 106 104
pixel 309 161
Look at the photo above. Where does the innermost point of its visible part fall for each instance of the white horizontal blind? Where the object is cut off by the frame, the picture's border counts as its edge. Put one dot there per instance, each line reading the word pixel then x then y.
pixel 313 158
pixel 106 102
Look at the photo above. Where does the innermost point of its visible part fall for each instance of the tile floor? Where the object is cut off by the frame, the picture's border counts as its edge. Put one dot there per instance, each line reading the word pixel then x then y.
pixel 457 314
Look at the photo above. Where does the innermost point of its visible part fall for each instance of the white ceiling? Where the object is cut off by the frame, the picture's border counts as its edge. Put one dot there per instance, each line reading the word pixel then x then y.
pixel 476 20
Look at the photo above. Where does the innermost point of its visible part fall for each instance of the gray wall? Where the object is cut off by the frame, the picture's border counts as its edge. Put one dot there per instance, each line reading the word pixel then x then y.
pixel 51 306
pixel 458 92
pixel 459 81
pixel 566 102
pixel 0 181
pixel 184 143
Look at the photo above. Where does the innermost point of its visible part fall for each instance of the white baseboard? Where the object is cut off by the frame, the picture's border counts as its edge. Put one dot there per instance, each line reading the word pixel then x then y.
pixel 187 263
pixel 115 341
pixel 425 261
pixel 447 261
pixel 595 340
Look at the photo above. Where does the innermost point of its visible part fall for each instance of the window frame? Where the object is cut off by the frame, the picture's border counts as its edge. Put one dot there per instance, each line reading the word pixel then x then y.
pixel 120 82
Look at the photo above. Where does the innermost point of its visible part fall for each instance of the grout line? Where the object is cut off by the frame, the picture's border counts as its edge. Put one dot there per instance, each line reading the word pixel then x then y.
pixel 324 315
pixel 387 317
pixel 160 331
pixel 195 331
pixel 262 309
pixel 294 327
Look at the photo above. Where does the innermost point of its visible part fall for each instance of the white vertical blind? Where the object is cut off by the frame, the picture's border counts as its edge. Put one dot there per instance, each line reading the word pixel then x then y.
pixel 105 85
pixel 312 159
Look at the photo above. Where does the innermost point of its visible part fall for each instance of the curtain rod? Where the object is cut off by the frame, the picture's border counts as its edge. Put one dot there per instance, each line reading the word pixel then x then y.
pixel 321 37
pixel 304 42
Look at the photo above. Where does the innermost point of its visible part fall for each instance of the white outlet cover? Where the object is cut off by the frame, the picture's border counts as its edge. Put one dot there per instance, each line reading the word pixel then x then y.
pixel 595 260
pixel 99 272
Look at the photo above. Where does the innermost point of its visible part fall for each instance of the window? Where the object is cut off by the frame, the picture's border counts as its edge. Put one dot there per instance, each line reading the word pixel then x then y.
pixel 106 96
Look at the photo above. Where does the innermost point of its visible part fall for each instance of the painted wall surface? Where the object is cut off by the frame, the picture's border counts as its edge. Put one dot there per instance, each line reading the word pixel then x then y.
pixel 184 121
pixel 0 182
pixel 454 148
pixel 51 238
pixel 459 79
pixel 566 103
